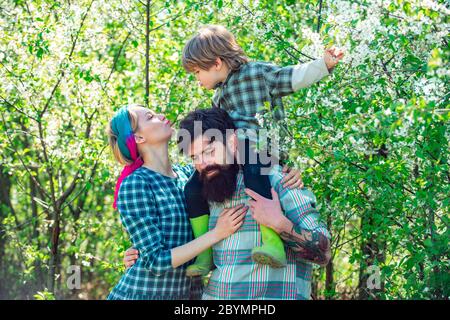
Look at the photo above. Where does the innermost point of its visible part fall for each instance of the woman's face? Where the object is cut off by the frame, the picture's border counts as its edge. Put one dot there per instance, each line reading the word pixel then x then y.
pixel 152 128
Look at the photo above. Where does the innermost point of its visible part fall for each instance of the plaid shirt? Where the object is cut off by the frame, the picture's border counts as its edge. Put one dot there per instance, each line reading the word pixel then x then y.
pixel 237 276
pixel 244 93
pixel 153 210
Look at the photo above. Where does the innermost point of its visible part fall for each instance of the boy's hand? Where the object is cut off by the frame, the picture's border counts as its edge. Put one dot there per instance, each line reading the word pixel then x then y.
pixel 332 57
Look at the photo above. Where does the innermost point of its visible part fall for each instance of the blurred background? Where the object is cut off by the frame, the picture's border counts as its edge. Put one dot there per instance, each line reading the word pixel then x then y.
pixel 372 140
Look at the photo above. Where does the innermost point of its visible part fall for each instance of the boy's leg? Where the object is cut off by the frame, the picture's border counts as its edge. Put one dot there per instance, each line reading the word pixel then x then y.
pixel 252 168
pixel 198 211
pixel 272 251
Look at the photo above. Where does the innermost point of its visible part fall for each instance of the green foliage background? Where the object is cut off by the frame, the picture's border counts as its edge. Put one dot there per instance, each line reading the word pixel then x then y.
pixel 372 140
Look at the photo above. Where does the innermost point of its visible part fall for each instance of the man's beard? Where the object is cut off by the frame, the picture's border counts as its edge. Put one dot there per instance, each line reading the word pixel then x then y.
pixel 220 185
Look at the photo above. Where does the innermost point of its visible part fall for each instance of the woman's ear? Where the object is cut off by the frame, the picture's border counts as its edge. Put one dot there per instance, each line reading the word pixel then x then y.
pixel 139 139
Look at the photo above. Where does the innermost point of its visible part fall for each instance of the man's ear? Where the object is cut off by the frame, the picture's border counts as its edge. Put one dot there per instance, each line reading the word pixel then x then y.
pixel 234 142
pixel 231 144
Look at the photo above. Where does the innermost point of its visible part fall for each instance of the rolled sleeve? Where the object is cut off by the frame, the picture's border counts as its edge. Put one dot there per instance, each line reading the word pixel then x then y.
pixel 138 213
pixel 306 74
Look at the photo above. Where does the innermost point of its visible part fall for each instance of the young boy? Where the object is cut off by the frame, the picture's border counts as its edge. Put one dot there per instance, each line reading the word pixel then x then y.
pixel 242 88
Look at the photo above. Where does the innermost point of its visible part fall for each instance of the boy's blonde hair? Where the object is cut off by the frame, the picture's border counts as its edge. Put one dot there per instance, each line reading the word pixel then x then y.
pixel 112 138
pixel 212 42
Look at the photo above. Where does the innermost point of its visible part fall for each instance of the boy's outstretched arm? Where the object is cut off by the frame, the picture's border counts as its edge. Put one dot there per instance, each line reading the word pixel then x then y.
pixel 306 74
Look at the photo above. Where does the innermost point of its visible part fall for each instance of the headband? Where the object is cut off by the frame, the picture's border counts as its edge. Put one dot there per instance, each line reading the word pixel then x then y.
pixel 121 127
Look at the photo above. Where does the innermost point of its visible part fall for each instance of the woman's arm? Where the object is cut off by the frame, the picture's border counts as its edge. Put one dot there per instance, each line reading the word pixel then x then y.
pixel 137 208
pixel 292 178
pixel 138 214
pixel 308 238
pixel 229 221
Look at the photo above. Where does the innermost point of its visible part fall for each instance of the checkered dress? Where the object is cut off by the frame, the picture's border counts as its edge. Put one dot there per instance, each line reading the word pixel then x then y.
pixel 153 211
pixel 244 93
pixel 237 276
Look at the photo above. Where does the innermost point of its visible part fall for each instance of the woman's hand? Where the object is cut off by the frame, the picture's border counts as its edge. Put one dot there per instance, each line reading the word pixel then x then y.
pixel 130 257
pixel 229 221
pixel 293 178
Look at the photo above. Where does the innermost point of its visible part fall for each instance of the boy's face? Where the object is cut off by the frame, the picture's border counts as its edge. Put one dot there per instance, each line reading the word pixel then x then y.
pixel 211 77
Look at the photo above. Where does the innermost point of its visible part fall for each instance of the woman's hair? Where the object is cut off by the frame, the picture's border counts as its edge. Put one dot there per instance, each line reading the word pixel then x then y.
pixel 113 137
pixel 212 42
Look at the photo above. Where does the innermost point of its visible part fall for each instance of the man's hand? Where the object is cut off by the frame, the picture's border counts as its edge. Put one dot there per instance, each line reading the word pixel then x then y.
pixel 130 257
pixel 293 178
pixel 265 211
pixel 332 57
pixel 310 245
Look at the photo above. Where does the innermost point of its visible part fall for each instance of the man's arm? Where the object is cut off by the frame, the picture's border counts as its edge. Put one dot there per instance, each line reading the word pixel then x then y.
pixel 310 245
pixel 307 238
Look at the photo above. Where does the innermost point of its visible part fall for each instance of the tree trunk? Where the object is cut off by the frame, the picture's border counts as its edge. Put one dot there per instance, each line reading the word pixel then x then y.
pixel 147 53
pixel 438 284
pixel 54 254
pixel 329 281
pixel 5 202
pixel 372 253
pixel 35 236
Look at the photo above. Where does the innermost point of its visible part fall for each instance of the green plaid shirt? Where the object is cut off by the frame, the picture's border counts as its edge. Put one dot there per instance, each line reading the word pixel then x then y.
pixel 153 210
pixel 237 276
pixel 245 91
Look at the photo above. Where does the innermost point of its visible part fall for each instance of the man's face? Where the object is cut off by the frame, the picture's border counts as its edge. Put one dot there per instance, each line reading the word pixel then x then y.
pixel 205 153
pixel 215 163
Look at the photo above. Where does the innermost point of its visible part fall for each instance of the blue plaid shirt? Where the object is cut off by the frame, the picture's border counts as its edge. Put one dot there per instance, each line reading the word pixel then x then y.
pixel 237 276
pixel 153 210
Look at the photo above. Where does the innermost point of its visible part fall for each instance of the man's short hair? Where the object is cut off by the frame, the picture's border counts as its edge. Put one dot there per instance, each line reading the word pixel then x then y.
pixel 211 121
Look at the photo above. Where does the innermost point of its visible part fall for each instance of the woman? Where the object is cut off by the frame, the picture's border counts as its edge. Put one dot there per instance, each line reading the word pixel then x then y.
pixel 149 196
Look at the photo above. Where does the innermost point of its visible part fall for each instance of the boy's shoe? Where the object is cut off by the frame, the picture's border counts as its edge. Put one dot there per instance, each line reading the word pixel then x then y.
pixel 272 251
pixel 198 269
pixel 204 261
